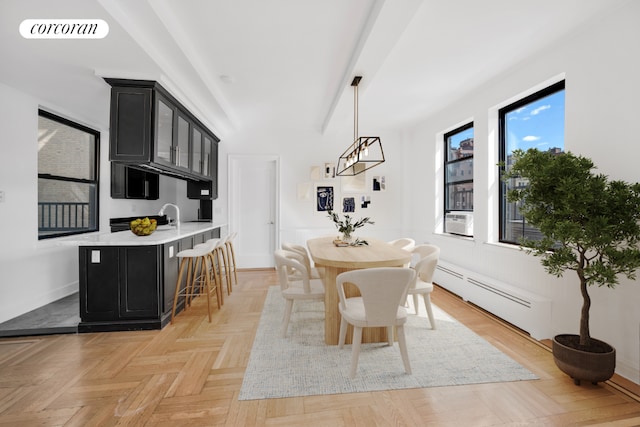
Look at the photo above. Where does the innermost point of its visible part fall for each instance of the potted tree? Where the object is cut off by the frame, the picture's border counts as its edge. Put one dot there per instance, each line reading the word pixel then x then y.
pixel 590 225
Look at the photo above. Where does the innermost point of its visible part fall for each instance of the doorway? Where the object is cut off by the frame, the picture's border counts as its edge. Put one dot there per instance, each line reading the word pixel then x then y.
pixel 253 208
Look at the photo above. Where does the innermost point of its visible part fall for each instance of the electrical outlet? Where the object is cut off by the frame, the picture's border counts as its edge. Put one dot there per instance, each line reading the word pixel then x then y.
pixel 1 196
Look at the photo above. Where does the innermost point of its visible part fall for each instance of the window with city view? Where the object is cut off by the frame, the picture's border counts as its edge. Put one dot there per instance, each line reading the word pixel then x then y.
pixel 536 121
pixel 458 175
pixel 67 177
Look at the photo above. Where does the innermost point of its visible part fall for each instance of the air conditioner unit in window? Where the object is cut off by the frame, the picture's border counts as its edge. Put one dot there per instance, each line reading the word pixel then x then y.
pixel 459 223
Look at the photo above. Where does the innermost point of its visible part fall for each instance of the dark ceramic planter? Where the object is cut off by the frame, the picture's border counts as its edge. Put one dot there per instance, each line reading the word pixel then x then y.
pixel 583 365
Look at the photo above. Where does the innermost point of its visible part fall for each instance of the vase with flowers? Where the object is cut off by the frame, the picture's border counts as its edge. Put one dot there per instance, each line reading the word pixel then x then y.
pixel 347 226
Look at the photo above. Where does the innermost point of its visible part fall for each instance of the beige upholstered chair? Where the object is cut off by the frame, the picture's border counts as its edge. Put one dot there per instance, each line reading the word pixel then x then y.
pixel 295 284
pixel 383 290
pixel 405 243
pixel 315 273
pixel 425 267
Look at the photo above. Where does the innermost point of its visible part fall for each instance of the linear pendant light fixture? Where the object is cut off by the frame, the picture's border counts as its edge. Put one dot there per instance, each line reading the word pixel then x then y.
pixel 365 152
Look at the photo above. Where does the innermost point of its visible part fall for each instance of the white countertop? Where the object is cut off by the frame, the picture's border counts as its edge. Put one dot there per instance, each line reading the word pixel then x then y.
pixel 164 234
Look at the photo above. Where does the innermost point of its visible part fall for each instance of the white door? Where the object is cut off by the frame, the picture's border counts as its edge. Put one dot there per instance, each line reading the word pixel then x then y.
pixel 253 209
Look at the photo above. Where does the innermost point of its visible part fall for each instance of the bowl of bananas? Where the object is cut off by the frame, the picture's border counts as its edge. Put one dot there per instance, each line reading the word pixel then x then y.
pixel 143 226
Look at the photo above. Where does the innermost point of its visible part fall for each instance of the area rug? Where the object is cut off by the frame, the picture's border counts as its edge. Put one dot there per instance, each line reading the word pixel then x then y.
pixel 303 365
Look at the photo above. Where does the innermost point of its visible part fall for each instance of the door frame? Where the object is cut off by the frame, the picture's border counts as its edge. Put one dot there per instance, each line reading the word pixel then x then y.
pixel 234 159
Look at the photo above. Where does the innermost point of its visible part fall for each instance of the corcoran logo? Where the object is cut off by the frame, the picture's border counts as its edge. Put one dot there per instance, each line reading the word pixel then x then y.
pixel 64 29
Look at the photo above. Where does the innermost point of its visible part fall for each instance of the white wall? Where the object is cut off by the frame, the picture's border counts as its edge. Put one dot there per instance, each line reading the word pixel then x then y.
pixel 32 273
pixel 601 66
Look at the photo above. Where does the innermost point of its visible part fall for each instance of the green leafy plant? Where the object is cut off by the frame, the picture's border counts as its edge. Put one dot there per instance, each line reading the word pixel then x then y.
pixel 347 226
pixel 589 224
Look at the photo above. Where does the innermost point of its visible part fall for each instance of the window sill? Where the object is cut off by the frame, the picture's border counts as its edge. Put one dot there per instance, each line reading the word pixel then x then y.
pixel 456 236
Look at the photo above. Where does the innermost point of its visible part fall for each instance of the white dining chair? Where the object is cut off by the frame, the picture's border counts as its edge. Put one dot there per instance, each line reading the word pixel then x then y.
pixel 423 283
pixel 383 291
pixel 295 287
pixel 405 243
pixel 314 272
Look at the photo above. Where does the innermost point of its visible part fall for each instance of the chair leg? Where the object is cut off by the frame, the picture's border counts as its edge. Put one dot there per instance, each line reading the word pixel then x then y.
pixel 232 262
pixel 191 271
pixel 183 263
pixel 427 305
pixel 218 263
pixel 415 302
pixel 214 278
pixel 285 319
pixel 390 335
pixel 227 273
pixel 402 342
pixel 343 333
pixel 207 285
pixel 355 350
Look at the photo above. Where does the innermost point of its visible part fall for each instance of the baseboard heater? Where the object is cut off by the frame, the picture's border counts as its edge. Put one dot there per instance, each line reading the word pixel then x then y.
pixel 528 311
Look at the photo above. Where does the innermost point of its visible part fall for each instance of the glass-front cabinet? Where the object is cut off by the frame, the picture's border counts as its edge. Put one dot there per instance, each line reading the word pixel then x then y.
pixel 196 151
pixel 182 146
pixel 172 135
pixel 151 130
pixel 164 131
pixel 207 157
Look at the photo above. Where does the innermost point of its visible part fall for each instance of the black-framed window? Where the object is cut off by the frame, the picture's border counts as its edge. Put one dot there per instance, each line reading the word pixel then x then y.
pixel 68 159
pixel 535 121
pixel 458 170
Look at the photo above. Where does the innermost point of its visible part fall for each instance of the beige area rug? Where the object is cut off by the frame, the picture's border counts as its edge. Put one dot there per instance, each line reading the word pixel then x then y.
pixel 303 365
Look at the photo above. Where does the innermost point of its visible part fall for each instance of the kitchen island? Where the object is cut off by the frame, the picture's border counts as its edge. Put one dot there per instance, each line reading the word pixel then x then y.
pixel 127 282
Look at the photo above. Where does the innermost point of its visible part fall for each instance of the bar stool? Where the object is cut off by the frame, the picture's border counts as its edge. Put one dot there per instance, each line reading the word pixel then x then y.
pixel 231 256
pixel 200 267
pixel 221 247
pixel 218 262
pixel 221 255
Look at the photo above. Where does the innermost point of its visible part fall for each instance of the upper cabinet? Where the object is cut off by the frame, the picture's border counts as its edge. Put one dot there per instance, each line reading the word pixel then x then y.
pixel 152 130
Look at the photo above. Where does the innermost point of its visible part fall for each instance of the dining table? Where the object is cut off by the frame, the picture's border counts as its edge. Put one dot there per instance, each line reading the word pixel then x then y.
pixel 337 259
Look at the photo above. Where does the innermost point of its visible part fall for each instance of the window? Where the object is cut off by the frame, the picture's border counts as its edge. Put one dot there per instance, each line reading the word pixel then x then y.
pixel 458 170
pixel 68 155
pixel 536 121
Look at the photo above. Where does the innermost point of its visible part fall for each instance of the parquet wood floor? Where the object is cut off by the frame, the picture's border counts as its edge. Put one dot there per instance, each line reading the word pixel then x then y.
pixel 190 373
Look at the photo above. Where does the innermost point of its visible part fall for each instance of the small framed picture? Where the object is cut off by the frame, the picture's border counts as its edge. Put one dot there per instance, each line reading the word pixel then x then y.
pixel 379 183
pixel 324 198
pixel 348 204
pixel 329 170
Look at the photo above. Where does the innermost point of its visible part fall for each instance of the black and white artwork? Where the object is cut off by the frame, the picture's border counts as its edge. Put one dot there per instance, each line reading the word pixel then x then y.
pixel 324 197
pixel 365 200
pixel 348 204
pixel 379 183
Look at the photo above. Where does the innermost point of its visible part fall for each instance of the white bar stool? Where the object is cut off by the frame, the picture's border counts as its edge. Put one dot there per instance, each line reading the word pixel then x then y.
pixel 200 266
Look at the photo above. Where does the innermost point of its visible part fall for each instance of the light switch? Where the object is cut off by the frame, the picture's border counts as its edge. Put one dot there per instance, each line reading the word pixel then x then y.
pixel 204 192
pixel 95 257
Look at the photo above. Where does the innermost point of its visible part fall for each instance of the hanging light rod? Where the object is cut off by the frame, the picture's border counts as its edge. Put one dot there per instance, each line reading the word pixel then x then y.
pixel 365 152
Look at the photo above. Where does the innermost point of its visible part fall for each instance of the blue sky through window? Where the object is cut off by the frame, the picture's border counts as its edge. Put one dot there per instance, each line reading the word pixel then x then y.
pixel 454 140
pixel 539 124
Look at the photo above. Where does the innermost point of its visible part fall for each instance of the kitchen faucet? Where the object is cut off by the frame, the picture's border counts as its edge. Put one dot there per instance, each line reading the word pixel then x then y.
pixel 177 221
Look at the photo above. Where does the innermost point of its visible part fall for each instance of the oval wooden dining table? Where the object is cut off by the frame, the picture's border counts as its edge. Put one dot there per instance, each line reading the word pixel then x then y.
pixel 336 260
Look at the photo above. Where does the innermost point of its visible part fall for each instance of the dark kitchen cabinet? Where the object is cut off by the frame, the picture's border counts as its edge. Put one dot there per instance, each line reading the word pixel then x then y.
pixel 118 283
pixel 132 183
pixel 131 287
pixel 151 129
pixel 206 189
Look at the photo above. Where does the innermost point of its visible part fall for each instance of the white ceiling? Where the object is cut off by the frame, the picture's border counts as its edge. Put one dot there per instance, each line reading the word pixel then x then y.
pixel 288 63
